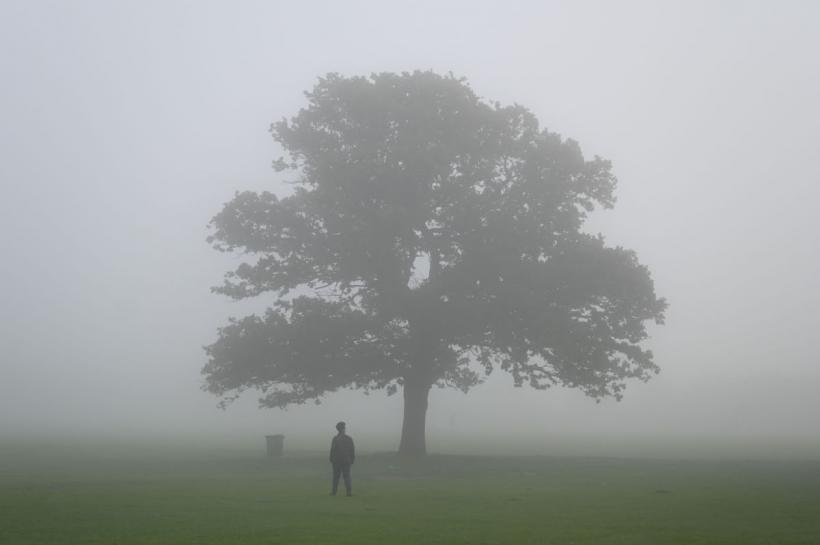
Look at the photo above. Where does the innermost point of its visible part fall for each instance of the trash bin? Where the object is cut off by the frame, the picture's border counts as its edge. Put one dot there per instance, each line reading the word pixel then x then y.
pixel 275 445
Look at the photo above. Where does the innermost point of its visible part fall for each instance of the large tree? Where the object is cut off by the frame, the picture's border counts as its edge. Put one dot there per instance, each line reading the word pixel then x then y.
pixel 430 238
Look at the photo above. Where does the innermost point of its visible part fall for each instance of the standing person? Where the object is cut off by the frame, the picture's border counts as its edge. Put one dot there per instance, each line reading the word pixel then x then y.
pixel 342 455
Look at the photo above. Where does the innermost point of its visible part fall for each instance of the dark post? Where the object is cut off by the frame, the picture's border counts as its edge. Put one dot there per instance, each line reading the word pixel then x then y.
pixel 275 445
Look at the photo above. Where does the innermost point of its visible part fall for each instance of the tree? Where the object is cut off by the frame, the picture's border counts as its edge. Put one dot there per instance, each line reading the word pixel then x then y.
pixel 431 238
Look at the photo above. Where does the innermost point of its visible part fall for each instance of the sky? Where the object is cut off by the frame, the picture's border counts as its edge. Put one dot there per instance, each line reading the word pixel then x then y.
pixel 124 126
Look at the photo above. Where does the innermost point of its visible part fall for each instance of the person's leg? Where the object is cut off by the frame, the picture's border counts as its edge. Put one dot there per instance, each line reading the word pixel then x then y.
pixel 346 475
pixel 337 472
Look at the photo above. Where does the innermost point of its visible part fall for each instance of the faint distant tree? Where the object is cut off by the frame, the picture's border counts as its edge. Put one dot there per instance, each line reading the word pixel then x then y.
pixel 432 237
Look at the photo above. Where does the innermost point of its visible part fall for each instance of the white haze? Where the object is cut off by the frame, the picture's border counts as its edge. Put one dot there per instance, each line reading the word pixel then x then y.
pixel 124 126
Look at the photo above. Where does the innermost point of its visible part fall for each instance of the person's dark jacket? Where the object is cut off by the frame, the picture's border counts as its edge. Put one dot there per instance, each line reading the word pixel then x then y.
pixel 342 451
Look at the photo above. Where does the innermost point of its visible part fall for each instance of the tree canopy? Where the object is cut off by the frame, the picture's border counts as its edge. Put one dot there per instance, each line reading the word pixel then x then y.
pixel 431 237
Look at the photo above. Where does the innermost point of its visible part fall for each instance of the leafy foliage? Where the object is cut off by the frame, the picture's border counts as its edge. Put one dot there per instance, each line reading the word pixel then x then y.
pixel 429 230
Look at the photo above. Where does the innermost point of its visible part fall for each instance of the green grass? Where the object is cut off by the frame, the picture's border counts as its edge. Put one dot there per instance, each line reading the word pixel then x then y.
pixel 51 495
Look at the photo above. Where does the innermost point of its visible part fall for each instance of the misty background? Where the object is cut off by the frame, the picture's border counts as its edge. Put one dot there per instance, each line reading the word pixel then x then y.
pixel 124 127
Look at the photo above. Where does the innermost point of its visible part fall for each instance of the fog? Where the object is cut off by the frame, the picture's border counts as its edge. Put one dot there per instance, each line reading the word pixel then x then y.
pixel 126 126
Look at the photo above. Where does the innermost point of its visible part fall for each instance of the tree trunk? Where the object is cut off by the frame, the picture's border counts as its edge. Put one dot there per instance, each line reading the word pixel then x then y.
pixel 413 442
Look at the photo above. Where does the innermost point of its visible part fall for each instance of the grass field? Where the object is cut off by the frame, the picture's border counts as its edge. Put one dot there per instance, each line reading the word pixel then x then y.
pixel 114 495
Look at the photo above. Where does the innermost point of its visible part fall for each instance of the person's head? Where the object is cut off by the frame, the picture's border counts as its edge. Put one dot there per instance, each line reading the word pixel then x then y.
pixel 340 427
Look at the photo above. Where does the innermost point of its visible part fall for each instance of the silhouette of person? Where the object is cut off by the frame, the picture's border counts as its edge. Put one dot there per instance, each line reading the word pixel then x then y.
pixel 342 455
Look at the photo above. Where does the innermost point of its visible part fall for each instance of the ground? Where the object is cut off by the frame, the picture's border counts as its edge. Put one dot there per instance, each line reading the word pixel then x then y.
pixel 102 495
